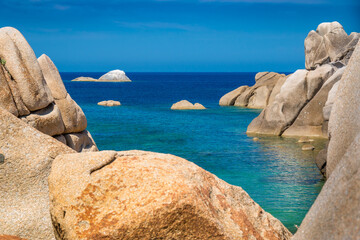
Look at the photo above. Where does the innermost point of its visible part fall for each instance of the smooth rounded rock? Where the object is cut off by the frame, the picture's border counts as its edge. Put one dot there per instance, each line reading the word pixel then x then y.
pixel 307 147
pixel 145 195
pixel 109 103
pixel 186 105
pixel 115 75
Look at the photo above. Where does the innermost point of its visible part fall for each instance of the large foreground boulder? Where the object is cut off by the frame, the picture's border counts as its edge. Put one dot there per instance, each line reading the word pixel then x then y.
pixel 145 195
pixel 25 163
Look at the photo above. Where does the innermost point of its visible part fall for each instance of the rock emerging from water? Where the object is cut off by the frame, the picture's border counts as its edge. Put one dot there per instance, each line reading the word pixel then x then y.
pixel 186 105
pixel 257 96
pixel 146 195
pixel 115 75
pixel 109 103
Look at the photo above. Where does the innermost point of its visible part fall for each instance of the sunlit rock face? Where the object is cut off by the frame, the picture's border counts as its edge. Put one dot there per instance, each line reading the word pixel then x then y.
pixel 33 90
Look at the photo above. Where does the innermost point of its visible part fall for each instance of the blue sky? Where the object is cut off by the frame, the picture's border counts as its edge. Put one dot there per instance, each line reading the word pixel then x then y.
pixel 174 35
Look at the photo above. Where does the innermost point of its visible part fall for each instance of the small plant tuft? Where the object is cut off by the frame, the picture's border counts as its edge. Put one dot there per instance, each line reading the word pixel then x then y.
pixel 2 61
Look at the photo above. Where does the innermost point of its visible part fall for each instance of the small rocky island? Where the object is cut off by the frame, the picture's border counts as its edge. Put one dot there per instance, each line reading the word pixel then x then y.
pixel 112 76
pixel 186 105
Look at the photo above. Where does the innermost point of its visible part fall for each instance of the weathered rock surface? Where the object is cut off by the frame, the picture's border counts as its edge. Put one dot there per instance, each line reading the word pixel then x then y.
pixel 47 120
pixel 52 77
pixel 320 161
pixel 257 96
pixel 8 237
pixel 278 116
pixel 186 105
pixel 310 121
pixel 330 43
pixel 229 98
pixel 72 115
pixel 23 72
pixel 81 142
pixel 115 75
pixel 109 103
pixel 344 122
pixel 335 213
pixel 145 195
pixel 28 155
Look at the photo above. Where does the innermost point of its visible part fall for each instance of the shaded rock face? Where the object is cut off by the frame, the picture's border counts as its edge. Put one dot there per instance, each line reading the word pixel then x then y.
pixel 32 89
pixel 310 121
pixel 344 124
pixel 115 75
pixel 335 213
pixel 145 195
pixel 80 142
pixel 329 43
pixel 257 96
pixel 186 105
pixel 27 155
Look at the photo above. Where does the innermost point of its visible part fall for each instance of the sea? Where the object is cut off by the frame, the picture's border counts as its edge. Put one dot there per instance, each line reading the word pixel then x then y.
pixel 274 171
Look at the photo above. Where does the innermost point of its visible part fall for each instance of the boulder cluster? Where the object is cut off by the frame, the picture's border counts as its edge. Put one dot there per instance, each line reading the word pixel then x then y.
pixel 300 104
pixel 51 190
pixel 32 90
pixel 186 105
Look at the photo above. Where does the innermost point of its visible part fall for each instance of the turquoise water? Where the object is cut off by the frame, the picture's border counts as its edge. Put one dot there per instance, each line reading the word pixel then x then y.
pixel 274 171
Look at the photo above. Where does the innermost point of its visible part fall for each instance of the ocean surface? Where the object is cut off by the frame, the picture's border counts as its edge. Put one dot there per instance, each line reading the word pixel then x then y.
pixel 274 171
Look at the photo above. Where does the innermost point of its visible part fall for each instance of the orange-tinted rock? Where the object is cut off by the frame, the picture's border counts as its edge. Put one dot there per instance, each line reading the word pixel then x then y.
pixel 8 237
pixel 145 195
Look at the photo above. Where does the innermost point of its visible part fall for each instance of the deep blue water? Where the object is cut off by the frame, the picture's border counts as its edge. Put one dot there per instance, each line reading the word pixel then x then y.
pixel 274 171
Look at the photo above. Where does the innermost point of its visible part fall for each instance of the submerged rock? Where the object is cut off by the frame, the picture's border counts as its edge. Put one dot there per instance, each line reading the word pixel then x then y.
pixel 109 103
pixel 186 105
pixel 116 76
pixel 24 197
pixel 146 195
pixel 307 147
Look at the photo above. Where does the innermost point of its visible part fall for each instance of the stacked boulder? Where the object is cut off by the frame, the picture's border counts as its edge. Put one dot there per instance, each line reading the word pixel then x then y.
pixel 267 86
pixel 300 104
pixel 32 90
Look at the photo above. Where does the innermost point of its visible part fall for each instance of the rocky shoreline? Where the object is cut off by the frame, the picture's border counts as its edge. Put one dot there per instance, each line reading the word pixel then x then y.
pixel 57 185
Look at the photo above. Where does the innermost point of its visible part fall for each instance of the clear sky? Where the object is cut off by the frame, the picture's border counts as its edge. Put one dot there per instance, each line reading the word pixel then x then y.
pixel 174 35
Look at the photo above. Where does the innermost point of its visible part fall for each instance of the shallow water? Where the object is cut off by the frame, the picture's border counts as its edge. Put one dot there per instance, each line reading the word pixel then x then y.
pixel 274 171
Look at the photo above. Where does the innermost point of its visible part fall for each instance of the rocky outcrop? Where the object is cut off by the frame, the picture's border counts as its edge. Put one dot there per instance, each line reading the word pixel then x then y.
pixel 109 103
pixel 112 76
pixel 335 213
pixel 85 79
pixel 186 105
pixel 145 195
pixel 329 43
pixel 310 121
pixel 33 90
pixel 344 123
pixel 115 75
pixel 257 96
pixel 27 158
pixel 302 105
pixel 81 142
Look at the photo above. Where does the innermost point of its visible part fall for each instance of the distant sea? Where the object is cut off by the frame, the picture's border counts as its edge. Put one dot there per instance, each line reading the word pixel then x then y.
pixel 274 171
